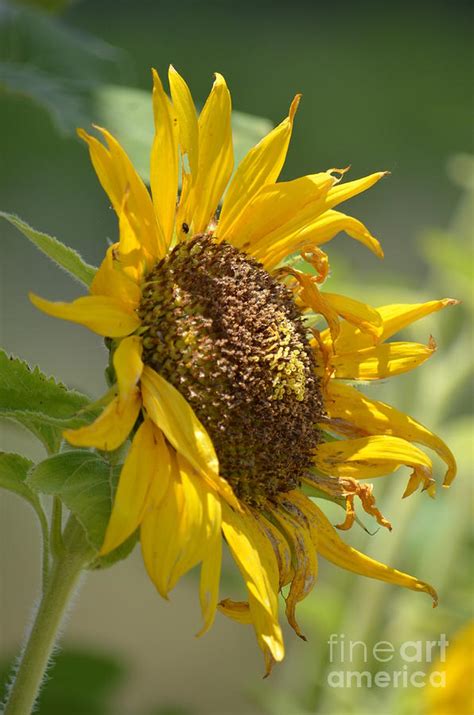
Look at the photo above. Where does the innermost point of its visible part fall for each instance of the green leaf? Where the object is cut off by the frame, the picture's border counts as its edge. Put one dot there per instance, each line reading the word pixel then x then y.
pixel 60 254
pixel 13 473
pixel 37 402
pixel 86 484
pixel 127 113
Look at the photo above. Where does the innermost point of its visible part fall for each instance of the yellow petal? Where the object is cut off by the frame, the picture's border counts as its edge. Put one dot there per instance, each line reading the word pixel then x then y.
pixel 120 180
pixel 110 280
pixel 209 583
pixel 111 428
pixel 147 461
pixel 332 548
pixel 294 522
pixel 101 314
pixel 216 158
pixel 366 318
pixel 369 457
pixel 394 318
pixel 330 223
pixel 174 415
pixel 353 414
pixel 256 560
pixel 380 361
pixel 343 191
pixel 278 211
pixel 261 166
pixel 182 530
pixel 128 364
pixel 280 547
pixel 312 297
pixel 187 119
pixel 164 160
pixel 236 610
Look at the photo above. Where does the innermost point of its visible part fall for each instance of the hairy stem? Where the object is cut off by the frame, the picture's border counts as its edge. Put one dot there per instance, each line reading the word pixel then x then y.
pixel 60 587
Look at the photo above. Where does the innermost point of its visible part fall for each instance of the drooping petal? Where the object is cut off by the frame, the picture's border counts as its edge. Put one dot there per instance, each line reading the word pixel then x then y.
pixel 147 461
pixel 182 530
pixel 110 280
pixel 369 457
pixel 164 160
pixel 101 314
pixel 120 181
pixel 333 548
pixel 128 364
pixel 209 583
pixel 216 157
pixel 261 166
pixel 394 318
pixel 111 428
pixel 294 522
pixel 353 414
pixel 380 361
pixel 256 560
pixel 174 415
pixel 280 546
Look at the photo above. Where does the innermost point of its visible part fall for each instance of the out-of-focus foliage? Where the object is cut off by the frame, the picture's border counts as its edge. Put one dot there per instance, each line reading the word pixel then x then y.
pixel 79 682
pixel 69 74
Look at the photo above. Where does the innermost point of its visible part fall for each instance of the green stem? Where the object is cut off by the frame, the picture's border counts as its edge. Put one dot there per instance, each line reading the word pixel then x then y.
pixel 57 544
pixel 61 585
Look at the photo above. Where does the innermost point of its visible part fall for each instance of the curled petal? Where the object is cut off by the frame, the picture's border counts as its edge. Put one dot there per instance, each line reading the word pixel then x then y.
pixel 369 457
pixel 261 166
pixel 101 314
pixel 236 610
pixel 147 461
pixel 352 414
pixel 332 548
pixel 111 428
pixel 293 521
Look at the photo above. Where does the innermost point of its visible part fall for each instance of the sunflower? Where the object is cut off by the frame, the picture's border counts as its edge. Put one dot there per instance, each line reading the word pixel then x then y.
pixel 233 399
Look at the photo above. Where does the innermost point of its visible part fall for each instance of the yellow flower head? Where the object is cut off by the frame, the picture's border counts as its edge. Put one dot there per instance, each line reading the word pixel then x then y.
pixel 220 379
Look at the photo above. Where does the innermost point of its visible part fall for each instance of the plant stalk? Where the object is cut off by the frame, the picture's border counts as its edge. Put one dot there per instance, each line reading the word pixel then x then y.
pixel 61 584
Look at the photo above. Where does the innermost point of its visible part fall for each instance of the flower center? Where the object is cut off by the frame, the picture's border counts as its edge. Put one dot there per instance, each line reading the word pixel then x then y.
pixel 229 337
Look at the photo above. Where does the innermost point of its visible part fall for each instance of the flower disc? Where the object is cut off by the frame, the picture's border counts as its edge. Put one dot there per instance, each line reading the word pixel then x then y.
pixel 230 338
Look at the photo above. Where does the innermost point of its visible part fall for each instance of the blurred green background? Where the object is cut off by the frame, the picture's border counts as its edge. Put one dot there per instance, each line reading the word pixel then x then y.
pixel 385 86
